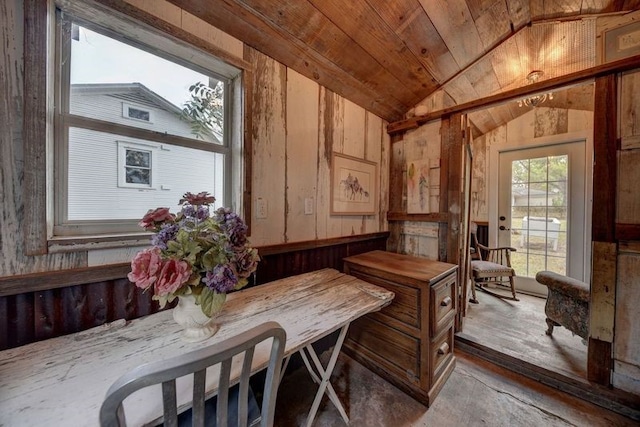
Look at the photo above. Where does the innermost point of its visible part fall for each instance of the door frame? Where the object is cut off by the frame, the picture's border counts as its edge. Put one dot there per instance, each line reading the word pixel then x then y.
pixel 493 163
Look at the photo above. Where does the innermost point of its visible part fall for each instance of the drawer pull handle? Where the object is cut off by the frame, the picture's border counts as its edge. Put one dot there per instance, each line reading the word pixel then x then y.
pixel 445 301
pixel 443 349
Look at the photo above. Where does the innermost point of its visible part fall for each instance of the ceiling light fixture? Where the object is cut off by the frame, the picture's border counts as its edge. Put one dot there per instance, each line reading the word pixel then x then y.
pixel 535 100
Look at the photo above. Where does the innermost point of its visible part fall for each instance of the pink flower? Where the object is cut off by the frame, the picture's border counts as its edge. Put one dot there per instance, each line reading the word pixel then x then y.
pixel 202 198
pixel 153 217
pixel 145 267
pixel 173 275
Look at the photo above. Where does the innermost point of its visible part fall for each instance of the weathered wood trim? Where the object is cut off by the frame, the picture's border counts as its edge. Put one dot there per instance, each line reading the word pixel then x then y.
pixel 454 178
pixel 313 244
pixel 86 243
pixel 158 24
pixel 546 85
pixel 35 128
pixel 627 232
pixel 247 145
pixel 442 217
pixel 599 362
pixel 61 278
pixel 605 125
pixel 603 229
pixel 445 149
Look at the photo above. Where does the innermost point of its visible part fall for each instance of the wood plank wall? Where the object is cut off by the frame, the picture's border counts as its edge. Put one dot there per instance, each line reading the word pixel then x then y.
pixel 295 125
pixel 34 316
pixel 624 261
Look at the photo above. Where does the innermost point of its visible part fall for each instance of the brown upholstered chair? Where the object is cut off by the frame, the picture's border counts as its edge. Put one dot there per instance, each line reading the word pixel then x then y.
pixel 492 266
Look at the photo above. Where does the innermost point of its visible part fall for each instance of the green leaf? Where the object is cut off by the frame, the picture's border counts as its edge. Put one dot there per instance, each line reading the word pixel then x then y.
pixel 211 301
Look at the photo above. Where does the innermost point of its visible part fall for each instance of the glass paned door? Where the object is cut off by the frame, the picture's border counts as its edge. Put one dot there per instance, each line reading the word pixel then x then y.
pixel 539 214
pixel 542 211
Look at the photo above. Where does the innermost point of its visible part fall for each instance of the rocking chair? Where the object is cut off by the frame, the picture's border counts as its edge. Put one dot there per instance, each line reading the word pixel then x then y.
pixel 491 266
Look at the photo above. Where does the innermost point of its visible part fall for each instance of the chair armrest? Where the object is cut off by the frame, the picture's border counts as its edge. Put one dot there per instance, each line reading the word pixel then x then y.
pixel 564 285
pixel 501 248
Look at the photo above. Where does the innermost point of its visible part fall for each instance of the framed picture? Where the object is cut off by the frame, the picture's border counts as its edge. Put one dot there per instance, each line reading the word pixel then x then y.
pixel 418 195
pixel 622 42
pixel 354 185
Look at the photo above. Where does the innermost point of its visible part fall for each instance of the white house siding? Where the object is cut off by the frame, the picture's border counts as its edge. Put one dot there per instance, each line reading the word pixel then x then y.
pixel 93 177
pixel 109 107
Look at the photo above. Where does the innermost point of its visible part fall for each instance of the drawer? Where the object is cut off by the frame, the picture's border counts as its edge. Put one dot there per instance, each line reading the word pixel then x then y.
pixel 441 351
pixel 389 348
pixel 443 304
pixel 405 306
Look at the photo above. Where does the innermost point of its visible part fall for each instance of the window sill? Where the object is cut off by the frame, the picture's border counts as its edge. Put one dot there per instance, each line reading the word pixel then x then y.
pixel 87 243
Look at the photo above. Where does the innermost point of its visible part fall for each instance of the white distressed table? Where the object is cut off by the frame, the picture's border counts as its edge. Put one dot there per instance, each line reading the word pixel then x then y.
pixel 62 381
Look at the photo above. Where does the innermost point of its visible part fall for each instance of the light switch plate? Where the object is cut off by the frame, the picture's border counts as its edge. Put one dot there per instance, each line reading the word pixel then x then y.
pixel 308 206
pixel 261 208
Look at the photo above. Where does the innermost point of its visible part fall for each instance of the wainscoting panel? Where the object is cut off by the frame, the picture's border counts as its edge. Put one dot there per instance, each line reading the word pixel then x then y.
pixel 35 316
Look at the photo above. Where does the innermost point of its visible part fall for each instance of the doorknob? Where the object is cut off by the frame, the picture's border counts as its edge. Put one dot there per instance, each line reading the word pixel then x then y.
pixel 502 227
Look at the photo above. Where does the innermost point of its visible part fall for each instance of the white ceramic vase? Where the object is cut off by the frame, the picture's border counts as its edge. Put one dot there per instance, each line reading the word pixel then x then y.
pixel 196 325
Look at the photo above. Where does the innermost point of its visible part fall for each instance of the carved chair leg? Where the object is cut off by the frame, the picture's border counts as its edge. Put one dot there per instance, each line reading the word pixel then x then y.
pixel 550 324
pixel 473 299
pixel 513 288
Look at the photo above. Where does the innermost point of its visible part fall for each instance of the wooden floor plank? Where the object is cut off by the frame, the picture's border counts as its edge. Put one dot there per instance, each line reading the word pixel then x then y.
pixel 518 329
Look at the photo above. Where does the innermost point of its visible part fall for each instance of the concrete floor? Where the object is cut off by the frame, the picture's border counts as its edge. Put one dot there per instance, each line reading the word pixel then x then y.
pixel 477 394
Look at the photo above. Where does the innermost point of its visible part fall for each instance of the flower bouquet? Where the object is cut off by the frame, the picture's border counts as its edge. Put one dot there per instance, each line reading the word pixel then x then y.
pixel 194 253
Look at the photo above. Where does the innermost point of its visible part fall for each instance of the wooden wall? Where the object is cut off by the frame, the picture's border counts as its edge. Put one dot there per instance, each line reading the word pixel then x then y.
pixel 295 125
pixel 626 339
pixel 419 235
pixel 34 316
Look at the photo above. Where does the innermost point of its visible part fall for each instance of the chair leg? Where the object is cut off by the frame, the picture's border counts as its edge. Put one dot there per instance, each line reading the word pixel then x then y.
pixel 513 288
pixel 473 298
pixel 550 325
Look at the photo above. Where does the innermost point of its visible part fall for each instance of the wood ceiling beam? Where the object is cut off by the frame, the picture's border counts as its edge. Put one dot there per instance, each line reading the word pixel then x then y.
pixel 544 86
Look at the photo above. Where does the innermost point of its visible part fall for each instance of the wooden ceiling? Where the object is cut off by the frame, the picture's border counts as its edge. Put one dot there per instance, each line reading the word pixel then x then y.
pixel 389 55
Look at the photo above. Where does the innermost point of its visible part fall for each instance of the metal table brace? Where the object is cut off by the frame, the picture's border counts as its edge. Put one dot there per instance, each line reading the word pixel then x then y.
pixel 322 376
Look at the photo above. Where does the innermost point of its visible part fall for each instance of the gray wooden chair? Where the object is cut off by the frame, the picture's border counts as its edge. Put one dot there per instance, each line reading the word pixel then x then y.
pixel 490 266
pixel 166 372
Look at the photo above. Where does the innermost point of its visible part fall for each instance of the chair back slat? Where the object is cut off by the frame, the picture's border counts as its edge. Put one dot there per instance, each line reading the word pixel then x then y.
pixel 243 401
pixel 195 363
pixel 199 379
pixel 223 393
pixel 169 403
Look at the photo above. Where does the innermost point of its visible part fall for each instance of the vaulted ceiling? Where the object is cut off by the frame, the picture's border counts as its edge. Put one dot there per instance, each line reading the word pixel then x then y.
pixel 389 55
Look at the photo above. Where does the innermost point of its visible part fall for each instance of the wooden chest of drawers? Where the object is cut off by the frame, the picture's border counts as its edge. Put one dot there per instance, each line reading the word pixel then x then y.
pixel 409 342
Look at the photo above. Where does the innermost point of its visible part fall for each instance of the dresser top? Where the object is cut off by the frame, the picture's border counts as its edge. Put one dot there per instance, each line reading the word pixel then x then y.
pixel 422 269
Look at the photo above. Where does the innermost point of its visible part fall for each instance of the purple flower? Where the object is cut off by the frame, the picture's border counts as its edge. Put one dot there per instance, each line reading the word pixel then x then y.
pixel 246 262
pixel 202 213
pixel 222 279
pixel 188 211
pixel 166 233
pixel 233 225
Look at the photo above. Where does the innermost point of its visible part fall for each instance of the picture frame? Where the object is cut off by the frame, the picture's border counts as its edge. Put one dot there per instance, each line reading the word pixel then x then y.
pixel 354 185
pixel 622 42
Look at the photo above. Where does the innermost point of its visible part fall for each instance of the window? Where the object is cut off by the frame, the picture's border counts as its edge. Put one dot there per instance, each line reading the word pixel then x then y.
pixel 135 165
pixel 137 125
pixel 135 113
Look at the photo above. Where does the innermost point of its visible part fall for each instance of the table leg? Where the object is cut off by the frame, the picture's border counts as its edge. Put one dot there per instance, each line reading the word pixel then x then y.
pixel 324 377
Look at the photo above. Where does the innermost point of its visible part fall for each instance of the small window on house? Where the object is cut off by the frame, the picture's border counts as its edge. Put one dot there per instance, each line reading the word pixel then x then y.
pixel 135 166
pixel 136 127
pixel 136 113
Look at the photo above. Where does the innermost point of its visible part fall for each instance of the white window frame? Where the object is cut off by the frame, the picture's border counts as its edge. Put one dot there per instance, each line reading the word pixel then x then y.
pixel 128 30
pixel 123 146
pixel 126 107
